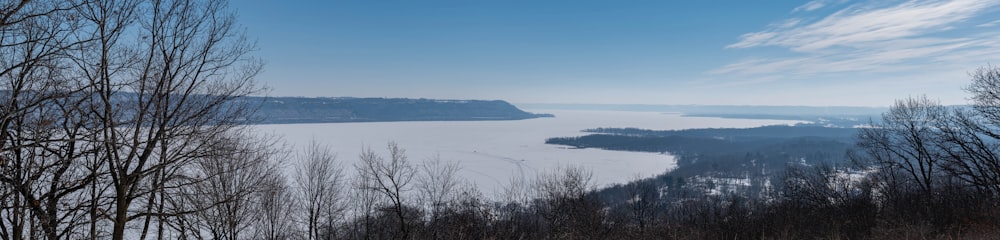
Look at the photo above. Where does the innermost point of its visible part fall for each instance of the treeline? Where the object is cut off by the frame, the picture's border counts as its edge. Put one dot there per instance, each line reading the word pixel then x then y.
pixel 726 154
pixel 323 110
pixel 742 134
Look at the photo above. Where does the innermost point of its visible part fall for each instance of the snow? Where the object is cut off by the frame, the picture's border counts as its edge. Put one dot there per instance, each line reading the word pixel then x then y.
pixel 491 152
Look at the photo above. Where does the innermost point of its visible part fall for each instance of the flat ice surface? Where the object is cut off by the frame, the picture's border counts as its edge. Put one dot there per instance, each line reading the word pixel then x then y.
pixel 491 152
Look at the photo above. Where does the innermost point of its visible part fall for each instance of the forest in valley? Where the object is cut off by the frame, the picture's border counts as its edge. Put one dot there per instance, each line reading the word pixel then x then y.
pixel 129 119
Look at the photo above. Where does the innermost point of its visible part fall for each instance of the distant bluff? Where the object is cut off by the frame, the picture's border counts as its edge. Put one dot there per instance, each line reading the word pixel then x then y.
pixel 334 110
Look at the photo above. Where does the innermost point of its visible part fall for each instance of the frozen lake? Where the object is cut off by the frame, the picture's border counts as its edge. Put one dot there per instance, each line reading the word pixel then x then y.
pixel 490 152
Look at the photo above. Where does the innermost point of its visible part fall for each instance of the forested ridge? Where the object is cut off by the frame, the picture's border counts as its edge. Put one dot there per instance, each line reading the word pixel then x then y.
pixel 742 134
pixel 704 152
pixel 326 110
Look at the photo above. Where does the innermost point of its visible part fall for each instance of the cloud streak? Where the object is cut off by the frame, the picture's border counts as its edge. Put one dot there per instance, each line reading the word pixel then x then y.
pixel 989 24
pixel 810 6
pixel 868 37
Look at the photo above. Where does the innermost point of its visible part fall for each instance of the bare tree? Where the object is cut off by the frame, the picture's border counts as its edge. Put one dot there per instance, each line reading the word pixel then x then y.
pixel 569 210
pixel 41 129
pixel 389 177
pixel 822 186
pixel 106 104
pixel 969 137
pixel 320 182
pixel 514 218
pixel 228 197
pixel 904 142
pixel 48 172
pixel 164 76
pixel 517 190
pixel 365 202
pixel 437 183
pixel 969 151
pixel 467 216
pixel 643 198
pixel 34 38
pixel 985 90
pixel 277 210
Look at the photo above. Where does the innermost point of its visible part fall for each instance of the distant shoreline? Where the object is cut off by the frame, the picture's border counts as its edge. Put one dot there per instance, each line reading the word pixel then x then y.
pixel 270 122
pixel 300 110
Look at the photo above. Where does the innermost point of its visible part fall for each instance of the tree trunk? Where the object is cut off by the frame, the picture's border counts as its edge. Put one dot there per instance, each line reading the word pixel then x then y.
pixel 121 213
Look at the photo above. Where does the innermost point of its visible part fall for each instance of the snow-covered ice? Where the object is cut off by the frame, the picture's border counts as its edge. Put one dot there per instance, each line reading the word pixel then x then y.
pixel 490 152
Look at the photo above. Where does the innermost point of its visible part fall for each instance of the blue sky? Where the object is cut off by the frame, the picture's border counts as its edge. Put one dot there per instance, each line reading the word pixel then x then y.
pixel 844 53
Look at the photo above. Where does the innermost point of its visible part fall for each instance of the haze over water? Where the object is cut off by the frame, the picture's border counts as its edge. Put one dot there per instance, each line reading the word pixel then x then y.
pixel 490 152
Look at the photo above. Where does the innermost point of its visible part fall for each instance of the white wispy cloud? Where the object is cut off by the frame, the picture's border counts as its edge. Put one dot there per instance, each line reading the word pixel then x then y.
pixel 870 37
pixel 989 24
pixel 810 6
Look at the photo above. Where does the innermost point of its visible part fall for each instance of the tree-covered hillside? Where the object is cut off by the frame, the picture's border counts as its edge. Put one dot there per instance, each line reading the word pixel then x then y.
pixel 755 157
pixel 324 110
